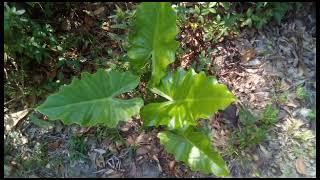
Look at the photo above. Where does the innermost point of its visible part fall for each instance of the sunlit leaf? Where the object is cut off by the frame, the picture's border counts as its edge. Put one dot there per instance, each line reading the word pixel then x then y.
pixel 190 96
pixel 212 4
pixel 194 148
pixel 20 12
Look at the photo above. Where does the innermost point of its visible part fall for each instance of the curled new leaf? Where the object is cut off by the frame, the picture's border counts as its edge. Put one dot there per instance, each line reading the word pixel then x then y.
pixel 194 148
pixel 153 36
pixel 190 96
pixel 92 100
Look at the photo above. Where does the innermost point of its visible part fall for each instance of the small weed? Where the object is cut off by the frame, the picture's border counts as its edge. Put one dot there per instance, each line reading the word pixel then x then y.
pixel 262 12
pixel 253 131
pixel 31 163
pixel 298 151
pixel 250 137
pixel 283 97
pixel 301 93
pixel 204 63
pixel 77 148
pixel 270 115
pixel 312 115
pixel 231 150
pixel 110 133
pixel 250 133
pixel 246 117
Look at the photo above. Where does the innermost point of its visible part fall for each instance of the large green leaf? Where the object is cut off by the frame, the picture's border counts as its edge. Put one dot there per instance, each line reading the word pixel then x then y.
pixel 153 36
pixel 190 96
pixel 194 148
pixel 92 100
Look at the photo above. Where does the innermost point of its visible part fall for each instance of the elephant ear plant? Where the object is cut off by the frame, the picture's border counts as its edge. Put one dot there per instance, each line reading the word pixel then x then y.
pixel 189 95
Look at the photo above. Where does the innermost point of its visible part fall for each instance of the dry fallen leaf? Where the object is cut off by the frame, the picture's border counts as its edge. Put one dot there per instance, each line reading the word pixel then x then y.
pixel 12 119
pixel 300 166
pixel 99 11
pixel 248 55
pixel 142 138
pixel 55 145
pixel 172 164
pixel 142 150
pixel 130 140
pixel 100 162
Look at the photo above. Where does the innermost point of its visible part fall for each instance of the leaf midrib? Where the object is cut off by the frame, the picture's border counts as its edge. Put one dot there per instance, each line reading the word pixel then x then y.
pixel 83 102
pixel 197 99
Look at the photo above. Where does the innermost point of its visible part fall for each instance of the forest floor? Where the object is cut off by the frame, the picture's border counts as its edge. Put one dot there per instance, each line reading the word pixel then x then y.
pixel 274 65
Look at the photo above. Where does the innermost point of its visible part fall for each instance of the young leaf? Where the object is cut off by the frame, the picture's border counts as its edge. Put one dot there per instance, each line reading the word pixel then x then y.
pixel 194 148
pixel 92 100
pixel 247 22
pixel 218 18
pixel 20 12
pixel 205 12
pixel 153 36
pixel 212 10
pixel 190 96
pixel 212 4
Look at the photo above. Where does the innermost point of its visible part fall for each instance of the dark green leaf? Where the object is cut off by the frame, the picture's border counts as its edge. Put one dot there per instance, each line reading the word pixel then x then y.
pixel 93 100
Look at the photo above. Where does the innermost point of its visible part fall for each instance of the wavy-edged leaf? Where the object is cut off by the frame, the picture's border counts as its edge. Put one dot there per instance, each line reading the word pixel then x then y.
pixel 190 96
pixel 92 100
pixel 194 148
pixel 153 36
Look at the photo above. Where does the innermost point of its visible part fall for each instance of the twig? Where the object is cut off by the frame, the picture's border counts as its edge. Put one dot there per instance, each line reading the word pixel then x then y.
pixel 12 100
pixel 5 72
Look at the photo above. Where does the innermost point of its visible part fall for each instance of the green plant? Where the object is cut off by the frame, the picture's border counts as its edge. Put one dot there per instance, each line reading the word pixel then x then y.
pixel 77 148
pixel 253 130
pixel 182 13
pixel 204 62
pixel 216 18
pixel 270 115
pixel 301 93
pixel 251 133
pixel 154 38
pixel 112 133
pixel 89 101
pixel 187 96
pixel 26 38
pixel 312 115
pixel 262 12
pixel 283 97
pixel 220 27
pixel 28 44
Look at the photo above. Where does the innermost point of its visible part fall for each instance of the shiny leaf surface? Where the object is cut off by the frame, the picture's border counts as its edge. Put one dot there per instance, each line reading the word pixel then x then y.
pixel 194 148
pixel 190 96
